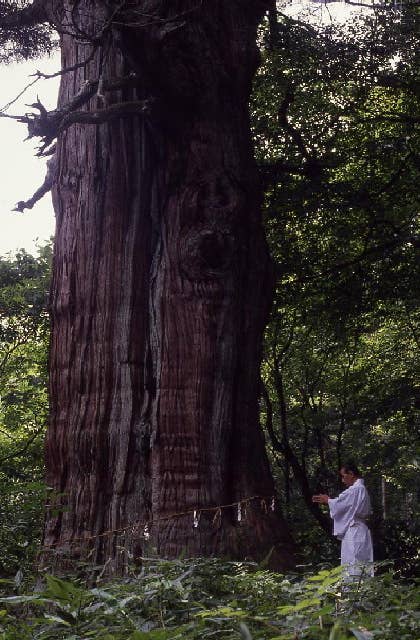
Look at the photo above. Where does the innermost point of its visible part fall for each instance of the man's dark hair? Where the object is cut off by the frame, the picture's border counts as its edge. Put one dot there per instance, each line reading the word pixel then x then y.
pixel 350 467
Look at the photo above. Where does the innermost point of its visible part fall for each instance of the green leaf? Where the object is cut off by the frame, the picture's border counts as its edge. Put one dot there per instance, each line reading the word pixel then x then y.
pixel 362 634
pixel 299 606
pixel 156 634
pixel 62 589
pixel 337 632
pixel 329 608
pixel 53 618
pixel 19 599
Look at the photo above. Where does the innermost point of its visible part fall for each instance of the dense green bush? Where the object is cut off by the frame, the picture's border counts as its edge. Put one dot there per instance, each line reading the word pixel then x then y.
pixel 21 516
pixel 202 598
pixel 24 328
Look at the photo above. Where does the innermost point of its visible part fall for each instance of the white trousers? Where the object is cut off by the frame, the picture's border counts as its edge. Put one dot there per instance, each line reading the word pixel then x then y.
pixel 357 550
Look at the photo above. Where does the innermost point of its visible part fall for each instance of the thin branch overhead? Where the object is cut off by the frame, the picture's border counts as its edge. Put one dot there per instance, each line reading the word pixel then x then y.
pixel 12 102
pixel 43 189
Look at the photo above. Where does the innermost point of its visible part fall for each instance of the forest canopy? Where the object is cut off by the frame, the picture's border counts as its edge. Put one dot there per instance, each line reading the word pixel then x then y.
pixel 335 113
pixel 336 124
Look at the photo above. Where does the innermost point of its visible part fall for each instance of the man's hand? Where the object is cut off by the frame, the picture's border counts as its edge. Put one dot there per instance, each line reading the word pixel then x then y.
pixel 322 498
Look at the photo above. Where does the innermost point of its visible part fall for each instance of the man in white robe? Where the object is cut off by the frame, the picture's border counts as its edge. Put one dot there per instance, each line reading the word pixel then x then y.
pixel 349 512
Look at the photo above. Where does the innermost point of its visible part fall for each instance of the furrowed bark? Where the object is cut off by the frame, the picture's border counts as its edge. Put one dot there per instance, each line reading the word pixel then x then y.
pixel 161 289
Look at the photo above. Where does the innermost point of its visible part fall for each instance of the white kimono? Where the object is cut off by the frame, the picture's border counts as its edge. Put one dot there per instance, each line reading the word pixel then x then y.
pixel 349 512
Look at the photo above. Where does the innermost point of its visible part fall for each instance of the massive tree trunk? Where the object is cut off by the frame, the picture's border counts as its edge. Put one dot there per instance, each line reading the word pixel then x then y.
pixel 161 288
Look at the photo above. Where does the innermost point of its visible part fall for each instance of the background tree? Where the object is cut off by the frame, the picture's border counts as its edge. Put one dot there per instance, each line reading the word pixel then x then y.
pixel 24 327
pixel 336 115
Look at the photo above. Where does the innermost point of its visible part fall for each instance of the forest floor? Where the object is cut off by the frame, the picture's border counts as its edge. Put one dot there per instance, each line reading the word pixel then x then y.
pixel 209 598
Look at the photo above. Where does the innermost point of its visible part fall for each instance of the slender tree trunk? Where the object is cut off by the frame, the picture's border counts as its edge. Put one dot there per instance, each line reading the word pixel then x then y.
pixel 161 289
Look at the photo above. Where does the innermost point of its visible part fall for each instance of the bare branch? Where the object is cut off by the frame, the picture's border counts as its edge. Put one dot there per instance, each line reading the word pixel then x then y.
pixel 62 72
pixel 47 76
pixel 283 447
pixel 48 124
pixel 43 189
pixel 9 104
pixel 131 19
pixel 10 352
pixel 119 110
pixel 7 434
pixel 24 448
pixel 312 166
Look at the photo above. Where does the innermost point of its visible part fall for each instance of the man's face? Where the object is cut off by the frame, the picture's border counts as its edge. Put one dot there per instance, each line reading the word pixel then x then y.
pixel 347 477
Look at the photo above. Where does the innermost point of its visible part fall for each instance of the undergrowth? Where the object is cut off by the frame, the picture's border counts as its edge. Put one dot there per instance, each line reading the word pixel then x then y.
pixel 207 598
